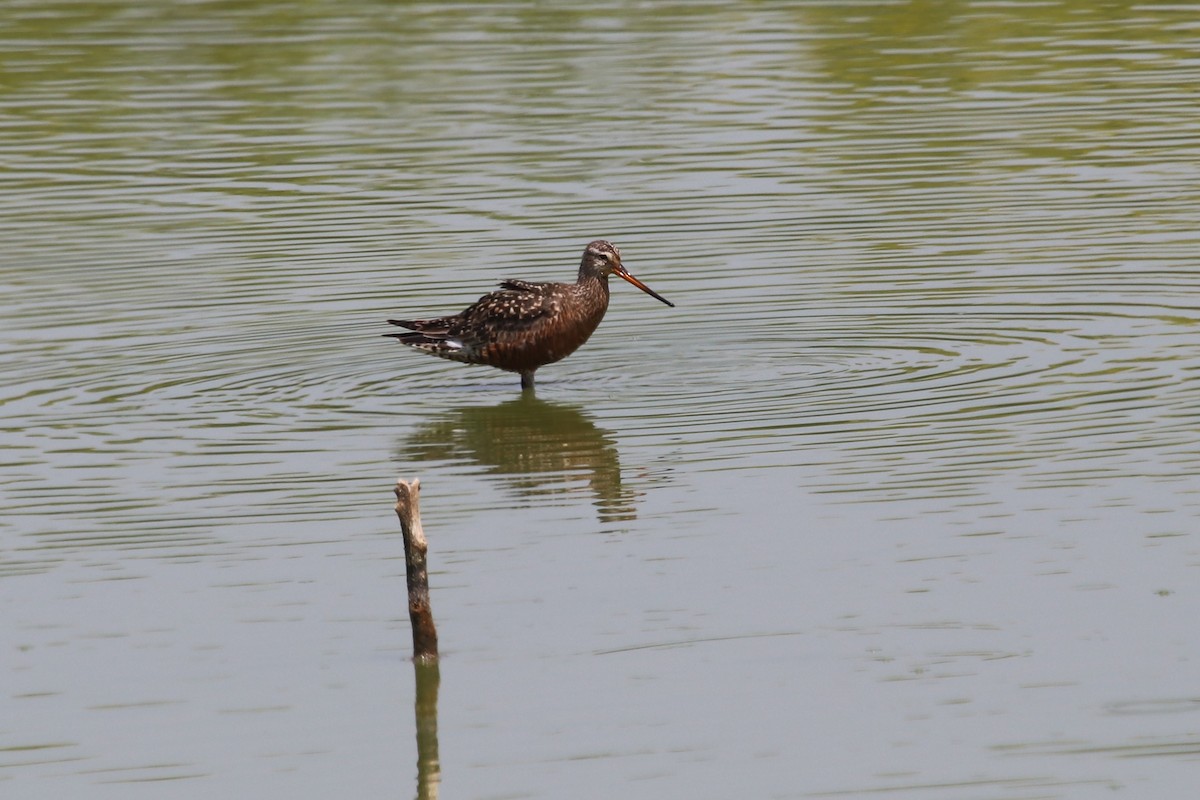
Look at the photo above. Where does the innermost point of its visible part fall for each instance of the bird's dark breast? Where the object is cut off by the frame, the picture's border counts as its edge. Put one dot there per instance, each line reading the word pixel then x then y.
pixel 551 338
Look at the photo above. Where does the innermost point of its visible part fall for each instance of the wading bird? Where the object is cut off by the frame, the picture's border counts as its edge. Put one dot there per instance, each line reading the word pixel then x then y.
pixel 526 325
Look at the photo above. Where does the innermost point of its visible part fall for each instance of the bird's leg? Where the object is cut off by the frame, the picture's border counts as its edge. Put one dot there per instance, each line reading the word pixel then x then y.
pixel 527 380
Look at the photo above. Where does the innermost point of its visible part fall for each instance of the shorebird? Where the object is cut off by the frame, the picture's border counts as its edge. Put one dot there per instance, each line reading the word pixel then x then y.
pixel 526 325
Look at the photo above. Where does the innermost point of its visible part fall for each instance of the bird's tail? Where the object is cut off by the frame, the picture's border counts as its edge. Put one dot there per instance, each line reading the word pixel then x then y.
pixel 430 326
pixel 431 335
pixel 413 339
pixel 408 338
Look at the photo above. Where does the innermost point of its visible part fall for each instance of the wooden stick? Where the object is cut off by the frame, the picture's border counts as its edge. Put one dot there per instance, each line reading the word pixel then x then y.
pixel 408 509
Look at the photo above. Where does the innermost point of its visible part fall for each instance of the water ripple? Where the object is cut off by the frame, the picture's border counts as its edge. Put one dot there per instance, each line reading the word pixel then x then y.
pixel 908 275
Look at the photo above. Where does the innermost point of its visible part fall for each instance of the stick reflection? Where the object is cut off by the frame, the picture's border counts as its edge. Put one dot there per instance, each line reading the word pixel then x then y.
pixel 429 769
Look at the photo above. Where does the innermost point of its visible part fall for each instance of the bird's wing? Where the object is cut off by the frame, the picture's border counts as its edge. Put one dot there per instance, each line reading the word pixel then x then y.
pixel 525 286
pixel 510 312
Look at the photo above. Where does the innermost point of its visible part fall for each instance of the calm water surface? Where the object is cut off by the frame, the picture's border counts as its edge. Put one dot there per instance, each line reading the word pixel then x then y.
pixel 900 500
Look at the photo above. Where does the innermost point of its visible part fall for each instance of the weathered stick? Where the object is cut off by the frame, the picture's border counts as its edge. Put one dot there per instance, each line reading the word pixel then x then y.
pixel 408 509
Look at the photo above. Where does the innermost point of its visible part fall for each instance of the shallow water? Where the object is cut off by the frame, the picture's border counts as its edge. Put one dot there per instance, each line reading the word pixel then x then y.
pixel 900 498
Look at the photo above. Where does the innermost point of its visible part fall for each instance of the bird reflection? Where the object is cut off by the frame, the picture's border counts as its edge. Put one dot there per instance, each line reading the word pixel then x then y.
pixel 540 448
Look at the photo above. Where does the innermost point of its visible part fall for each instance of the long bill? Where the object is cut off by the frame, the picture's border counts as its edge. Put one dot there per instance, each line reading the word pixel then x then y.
pixel 623 273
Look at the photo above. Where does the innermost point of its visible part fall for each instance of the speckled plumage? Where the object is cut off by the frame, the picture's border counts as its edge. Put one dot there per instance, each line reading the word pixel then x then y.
pixel 525 325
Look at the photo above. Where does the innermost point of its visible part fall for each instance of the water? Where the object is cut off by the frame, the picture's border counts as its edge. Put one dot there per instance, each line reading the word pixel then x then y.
pixel 900 499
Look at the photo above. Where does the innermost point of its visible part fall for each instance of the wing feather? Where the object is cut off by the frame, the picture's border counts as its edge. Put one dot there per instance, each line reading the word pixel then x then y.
pixel 502 315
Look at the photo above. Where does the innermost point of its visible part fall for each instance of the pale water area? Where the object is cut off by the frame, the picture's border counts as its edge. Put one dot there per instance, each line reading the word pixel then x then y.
pixel 900 501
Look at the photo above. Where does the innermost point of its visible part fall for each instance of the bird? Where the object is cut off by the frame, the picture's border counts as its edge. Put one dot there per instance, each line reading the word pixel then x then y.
pixel 526 325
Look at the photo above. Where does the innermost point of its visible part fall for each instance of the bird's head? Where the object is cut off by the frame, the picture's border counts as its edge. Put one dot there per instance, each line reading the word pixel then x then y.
pixel 601 259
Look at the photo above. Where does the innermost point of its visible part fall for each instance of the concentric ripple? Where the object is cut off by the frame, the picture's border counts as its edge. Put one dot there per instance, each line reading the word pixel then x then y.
pixel 883 280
